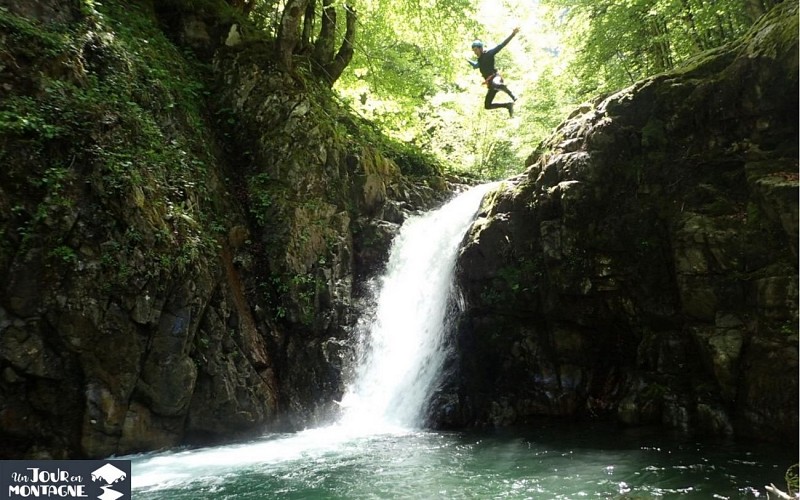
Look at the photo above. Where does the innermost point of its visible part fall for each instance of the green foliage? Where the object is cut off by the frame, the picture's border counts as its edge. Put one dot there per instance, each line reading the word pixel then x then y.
pixel 20 117
pixel 411 160
pixel 513 283
pixel 304 289
pixel 123 124
pixel 654 392
pixel 548 102
pixel 406 56
pixel 416 85
pixel 31 39
pixel 291 296
pixel 495 159
pixel 64 254
pixel 260 197
pixel 613 43
pixel 789 328
pixel 406 46
pixel 409 76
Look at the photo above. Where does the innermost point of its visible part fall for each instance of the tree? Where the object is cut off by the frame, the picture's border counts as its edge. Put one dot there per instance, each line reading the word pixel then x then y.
pixel 308 31
pixel 617 42
pixel 326 62
pixel 410 76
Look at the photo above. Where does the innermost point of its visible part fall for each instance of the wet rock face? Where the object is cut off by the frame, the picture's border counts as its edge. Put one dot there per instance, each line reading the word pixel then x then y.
pixel 148 300
pixel 644 267
pixel 333 208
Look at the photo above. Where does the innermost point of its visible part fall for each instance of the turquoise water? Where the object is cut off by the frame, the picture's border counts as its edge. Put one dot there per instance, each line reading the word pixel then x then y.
pixel 552 462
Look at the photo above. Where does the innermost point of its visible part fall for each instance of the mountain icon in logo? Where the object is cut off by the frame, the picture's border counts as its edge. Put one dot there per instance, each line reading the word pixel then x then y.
pixel 109 475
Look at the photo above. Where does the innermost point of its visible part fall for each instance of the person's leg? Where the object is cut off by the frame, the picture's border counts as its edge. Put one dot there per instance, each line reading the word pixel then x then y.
pixel 487 102
pixel 507 91
pixel 491 93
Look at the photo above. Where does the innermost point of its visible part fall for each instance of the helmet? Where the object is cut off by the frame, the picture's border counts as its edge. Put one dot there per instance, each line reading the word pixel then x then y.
pixel 478 44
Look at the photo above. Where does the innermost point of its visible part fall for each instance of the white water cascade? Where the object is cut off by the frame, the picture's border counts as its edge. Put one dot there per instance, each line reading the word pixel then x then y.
pixel 402 353
pixel 403 346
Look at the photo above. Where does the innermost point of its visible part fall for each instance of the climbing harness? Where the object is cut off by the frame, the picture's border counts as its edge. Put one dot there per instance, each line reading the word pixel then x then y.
pixel 493 80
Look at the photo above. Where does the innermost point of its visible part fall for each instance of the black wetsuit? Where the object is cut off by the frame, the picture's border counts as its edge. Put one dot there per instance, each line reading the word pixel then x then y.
pixel 485 64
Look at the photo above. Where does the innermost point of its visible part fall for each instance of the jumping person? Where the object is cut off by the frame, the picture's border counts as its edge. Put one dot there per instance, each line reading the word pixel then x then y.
pixel 491 78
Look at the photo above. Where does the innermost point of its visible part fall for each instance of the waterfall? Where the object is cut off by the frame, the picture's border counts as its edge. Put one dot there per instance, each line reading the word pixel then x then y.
pixel 401 354
pixel 402 347
pixel 377 449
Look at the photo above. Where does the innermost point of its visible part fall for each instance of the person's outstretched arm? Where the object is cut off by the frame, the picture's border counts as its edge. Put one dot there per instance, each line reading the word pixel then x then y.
pixel 504 42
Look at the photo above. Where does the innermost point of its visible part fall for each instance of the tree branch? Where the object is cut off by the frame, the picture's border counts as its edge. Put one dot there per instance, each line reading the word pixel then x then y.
pixel 308 25
pixel 323 48
pixel 334 70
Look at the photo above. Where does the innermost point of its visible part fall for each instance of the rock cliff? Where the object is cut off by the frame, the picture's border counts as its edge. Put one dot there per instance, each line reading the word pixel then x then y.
pixel 181 228
pixel 644 267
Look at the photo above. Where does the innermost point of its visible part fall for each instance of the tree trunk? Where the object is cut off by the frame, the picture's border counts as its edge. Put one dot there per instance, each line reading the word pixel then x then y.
pixel 721 37
pixel 693 32
pixel 325 65
pixel 308 26
pixel 661 50
pixel 323 48
pixel 621 60
pixel 334 70
pixel 289 31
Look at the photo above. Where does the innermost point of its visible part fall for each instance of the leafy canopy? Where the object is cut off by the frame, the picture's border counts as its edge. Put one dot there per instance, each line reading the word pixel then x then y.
pixel 408 73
